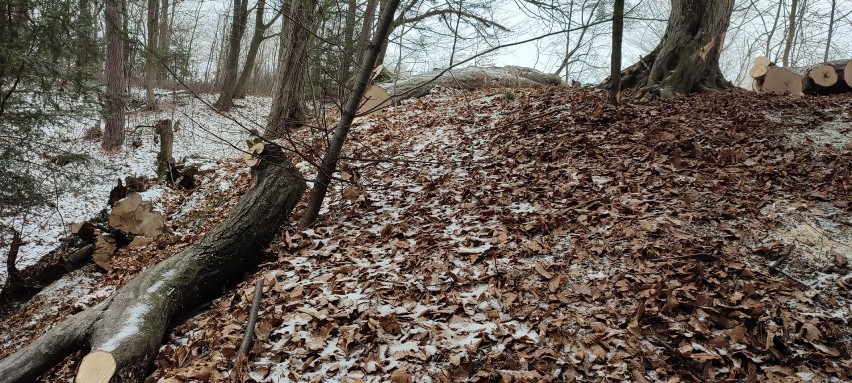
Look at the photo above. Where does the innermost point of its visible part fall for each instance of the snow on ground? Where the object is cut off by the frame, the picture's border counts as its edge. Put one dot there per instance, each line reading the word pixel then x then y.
pixel 204 137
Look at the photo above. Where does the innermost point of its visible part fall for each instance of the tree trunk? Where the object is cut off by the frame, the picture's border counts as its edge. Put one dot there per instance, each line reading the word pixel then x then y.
pixel 125 332
pixel 366 31
pixel 332 155
pixel 229 82
pixel 152 61
pixel 256 39
pixel 830 30
pixel 791 32
pixel 165 40
pixel 288 109
pixel 615 65
pixel 113 136
pixel 687 58
pixel 347 54
pixel 166 134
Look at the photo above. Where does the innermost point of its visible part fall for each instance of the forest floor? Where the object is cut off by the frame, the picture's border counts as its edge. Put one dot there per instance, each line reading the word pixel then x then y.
pixel 532 235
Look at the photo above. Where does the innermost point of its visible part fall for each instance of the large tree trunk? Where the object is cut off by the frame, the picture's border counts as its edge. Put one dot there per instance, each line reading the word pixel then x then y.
pixel 113 136
pixel 335 146
pixel 229 82
pixel 687 58
pixel 128 328
pixel 288 109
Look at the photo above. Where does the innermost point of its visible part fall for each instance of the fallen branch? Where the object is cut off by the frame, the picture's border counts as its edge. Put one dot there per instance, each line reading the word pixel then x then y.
pixel 242 354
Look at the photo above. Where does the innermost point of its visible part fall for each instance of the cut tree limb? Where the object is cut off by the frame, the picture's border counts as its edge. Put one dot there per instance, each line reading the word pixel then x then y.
pixel 131 325
pixel 780 80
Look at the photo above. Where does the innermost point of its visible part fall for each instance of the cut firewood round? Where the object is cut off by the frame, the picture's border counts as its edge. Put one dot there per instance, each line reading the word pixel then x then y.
pixel 823 75
pixel 757 71
pixel 762 61
pixel 96 367
pixel 251 157
pixel 781 80
pixel 847 73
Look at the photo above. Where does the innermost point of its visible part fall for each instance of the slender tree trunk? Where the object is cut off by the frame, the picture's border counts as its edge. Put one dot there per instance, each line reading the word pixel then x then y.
pixel 791 32
pixel 257 39
pixel 335 147
pixel 229 81
pixel 830 31
pixel 772 31
pixel 113 137
pixel 366 31
pixel 615 65
pixel 687 58
pixel 152 61
pixel 288 109
pixel 165 41
pixel 347 54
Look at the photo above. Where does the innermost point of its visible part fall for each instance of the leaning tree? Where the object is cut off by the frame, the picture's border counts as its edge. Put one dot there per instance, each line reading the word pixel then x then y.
pixel 687 58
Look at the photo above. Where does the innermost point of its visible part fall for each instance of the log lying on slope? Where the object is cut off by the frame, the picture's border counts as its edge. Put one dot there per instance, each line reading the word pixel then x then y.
pixel 127 330
pixel 470 78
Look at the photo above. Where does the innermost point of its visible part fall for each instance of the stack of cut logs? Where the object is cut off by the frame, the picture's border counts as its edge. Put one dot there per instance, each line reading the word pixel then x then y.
pixel 829 78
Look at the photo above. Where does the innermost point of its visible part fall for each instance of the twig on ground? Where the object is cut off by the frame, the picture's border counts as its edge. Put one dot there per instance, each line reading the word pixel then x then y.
pixel 242 354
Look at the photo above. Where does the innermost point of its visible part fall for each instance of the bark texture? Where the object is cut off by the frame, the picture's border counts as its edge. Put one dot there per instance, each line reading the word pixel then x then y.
pixel 288 109
pixel 131 325
pixel 687 58
pixel 151 59
pixel 260 28
pixel 113 136
pixel 229 81
pixel 615 65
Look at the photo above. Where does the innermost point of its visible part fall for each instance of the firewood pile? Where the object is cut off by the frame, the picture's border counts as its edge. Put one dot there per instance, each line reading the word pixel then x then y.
pixel 828 78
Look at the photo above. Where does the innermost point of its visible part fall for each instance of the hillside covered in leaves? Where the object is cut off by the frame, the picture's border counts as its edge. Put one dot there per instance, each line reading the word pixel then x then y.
pixel 530 236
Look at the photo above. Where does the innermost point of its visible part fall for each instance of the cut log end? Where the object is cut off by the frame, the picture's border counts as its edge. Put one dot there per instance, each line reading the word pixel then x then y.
pixel 762 61
pixel 823 75
pixel 781 80
pixel 251 157
pixel 96 367
pixel 847 74
pixel 757 71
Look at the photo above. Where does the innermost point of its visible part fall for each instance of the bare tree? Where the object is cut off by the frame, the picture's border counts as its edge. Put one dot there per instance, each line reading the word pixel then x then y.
pixel 338 138
pixel 151 61
pixel 113 137
pixel 259 35
pixel 830 31
pixel 615 63
pixel 791 32
pixel 687 58
pixel 229 80
pixel 288 109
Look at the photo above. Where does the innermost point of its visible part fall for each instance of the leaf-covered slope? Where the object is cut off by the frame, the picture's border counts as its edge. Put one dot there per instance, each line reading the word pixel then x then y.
pixel 549 236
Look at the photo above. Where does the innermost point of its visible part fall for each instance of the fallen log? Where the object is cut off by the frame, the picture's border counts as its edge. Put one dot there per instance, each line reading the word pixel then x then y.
pixel 124 333
pixel 470 78
pixel 820 79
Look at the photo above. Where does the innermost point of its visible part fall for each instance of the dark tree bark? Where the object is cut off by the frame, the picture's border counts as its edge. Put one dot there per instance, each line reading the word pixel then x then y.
pixel 687 58
pixel 128 328
pixel 113 136
pixel 288 109
pixel 347 54
pixel 615 65
pixel 366 31
pixel 229 81
pixel 332 155
pixel 151 60
pixel 260 28
pixel 166 134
